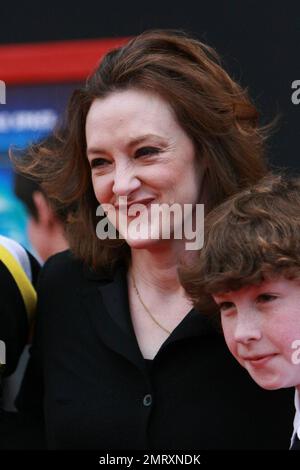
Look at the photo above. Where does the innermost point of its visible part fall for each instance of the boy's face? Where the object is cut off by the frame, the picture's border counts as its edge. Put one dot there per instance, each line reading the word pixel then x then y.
pixel 261 325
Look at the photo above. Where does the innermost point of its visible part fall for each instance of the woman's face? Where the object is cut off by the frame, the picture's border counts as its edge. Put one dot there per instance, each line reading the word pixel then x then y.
pixel 136 149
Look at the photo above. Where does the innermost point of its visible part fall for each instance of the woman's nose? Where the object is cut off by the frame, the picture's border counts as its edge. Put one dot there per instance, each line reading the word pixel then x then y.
pixel 125 181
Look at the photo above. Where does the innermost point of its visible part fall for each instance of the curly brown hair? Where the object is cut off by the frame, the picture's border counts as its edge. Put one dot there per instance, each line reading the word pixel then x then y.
pixel 251 237
pixel 211 107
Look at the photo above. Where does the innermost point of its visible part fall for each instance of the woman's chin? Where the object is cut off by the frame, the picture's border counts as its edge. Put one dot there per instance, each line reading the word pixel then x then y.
pixel 140 242
pixel 147 235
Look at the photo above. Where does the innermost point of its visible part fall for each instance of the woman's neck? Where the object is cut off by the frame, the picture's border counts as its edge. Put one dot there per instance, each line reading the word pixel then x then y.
pixel 157 267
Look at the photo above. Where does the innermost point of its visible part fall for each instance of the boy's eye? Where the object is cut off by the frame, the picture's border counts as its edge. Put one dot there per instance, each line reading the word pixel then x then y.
pixel 224 306
pixel 146 151
pixel 263 298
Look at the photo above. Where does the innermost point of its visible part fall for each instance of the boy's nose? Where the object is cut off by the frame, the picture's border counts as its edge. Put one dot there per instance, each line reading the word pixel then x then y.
pixel 247 330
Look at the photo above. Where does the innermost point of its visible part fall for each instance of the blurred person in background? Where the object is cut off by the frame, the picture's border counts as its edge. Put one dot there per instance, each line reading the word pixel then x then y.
pixel 18 276
pixel 46 235
pixel 45 227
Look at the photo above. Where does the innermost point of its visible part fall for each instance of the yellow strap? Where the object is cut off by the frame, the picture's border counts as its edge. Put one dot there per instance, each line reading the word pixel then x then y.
pixel 25 287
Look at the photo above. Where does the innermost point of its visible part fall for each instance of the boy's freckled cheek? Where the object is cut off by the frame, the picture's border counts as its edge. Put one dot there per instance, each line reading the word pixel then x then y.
pixel 233 348
pixel 285 342
pixel 229 338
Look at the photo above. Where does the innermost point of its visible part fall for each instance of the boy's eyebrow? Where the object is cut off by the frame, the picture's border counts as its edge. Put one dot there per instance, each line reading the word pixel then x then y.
pixel 223 295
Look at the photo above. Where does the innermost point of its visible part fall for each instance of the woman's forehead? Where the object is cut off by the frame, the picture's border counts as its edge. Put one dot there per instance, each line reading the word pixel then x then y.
pixel 130 116
pixel 129 102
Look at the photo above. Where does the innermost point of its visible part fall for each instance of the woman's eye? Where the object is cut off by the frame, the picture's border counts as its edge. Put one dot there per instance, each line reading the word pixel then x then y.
pixel 96 162
pixel 146 151
pixel 263 298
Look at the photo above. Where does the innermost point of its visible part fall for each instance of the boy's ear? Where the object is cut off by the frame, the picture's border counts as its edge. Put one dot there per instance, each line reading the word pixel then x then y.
pixel 44 212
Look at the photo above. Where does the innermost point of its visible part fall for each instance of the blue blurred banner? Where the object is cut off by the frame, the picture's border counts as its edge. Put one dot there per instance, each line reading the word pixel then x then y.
pixel 30 113
pixel 12 213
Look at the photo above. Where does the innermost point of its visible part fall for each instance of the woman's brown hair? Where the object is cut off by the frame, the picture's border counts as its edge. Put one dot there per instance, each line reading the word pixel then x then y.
pixel 251 237
pixel 213 109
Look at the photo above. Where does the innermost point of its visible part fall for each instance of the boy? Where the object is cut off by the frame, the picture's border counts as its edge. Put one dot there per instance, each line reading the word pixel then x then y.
pixel 249 270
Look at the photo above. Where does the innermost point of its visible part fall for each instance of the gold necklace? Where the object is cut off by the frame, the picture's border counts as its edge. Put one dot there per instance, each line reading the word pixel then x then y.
pixel 146 308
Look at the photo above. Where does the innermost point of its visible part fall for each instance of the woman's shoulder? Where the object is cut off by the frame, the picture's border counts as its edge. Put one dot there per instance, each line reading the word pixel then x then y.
pixel 59 263
pixel 64 279
pixel 60 278
pixel 65 266
pixel 61 260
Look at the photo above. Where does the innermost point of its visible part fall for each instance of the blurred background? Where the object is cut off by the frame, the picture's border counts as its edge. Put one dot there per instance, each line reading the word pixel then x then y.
pixel 47 49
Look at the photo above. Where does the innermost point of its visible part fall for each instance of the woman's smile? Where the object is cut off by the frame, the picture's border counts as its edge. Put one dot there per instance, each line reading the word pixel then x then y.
pixel 145 157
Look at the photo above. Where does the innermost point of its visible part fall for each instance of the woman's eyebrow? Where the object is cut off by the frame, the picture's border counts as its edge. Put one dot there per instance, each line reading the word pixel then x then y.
pixel 142 138
pixel 94 150
pixel 132 143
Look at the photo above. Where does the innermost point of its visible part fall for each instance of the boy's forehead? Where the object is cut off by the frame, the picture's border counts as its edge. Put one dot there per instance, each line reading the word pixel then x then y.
pixel 274 283
pixel 247 289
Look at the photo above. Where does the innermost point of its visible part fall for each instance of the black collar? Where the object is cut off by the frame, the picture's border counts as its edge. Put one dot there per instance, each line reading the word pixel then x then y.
pixel 113 322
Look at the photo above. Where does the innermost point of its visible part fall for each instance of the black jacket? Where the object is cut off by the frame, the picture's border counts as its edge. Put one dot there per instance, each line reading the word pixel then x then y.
pixel 100 394
pixel 17 430
pixel 14 329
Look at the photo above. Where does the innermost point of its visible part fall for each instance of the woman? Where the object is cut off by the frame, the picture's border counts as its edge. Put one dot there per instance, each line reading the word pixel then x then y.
pixel 126 361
